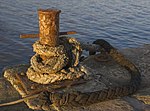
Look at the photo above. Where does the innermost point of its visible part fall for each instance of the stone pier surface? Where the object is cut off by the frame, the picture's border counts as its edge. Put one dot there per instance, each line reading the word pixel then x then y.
pixel 140 101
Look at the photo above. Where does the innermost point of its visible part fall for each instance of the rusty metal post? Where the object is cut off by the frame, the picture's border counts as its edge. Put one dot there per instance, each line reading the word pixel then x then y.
pixel 49 26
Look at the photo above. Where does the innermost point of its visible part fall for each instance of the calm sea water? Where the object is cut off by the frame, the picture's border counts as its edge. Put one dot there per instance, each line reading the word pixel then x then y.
pixel 124 23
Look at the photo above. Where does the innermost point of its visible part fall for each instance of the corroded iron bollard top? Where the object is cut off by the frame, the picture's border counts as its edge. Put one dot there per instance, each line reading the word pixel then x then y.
pixel 49 26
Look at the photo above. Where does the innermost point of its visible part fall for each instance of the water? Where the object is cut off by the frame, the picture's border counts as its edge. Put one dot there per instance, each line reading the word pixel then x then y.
pixel 124 23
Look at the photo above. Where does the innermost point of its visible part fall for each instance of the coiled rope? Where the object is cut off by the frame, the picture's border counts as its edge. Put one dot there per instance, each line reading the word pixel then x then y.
pixel 62 62
pixel 77 98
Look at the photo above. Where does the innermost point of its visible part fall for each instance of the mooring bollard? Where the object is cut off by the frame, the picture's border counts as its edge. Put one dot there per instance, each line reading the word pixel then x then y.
pixel 57 65
pixel 49 26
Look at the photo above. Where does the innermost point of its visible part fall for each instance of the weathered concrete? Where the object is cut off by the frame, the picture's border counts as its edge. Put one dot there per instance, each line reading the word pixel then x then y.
pixel 139 101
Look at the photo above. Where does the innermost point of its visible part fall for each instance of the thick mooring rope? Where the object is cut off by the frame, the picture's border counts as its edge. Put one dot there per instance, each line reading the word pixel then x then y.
pixel 78 98
pixel 61 62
